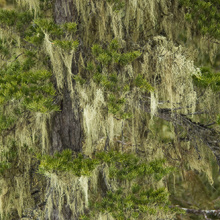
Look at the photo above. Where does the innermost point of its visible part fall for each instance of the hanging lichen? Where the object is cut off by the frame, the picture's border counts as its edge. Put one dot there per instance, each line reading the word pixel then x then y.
pixel 124 169
pixel 140 93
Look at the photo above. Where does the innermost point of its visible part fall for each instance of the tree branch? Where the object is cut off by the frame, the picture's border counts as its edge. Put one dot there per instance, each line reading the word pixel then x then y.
pixel 202 212
pixel 195 131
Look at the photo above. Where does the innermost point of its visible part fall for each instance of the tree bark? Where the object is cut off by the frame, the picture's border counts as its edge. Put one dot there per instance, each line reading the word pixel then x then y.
pixel 66 129
pixel 66 125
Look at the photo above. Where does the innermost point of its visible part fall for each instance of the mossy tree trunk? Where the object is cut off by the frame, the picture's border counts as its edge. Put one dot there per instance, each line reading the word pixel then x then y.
pixel 66 126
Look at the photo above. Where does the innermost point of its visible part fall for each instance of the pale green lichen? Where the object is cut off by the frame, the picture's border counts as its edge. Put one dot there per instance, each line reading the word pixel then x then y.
pixel 167 66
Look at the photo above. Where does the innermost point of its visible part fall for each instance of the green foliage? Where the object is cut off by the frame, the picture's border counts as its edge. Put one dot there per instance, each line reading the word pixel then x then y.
pixel 35 33
pixel 21 85
pixel 31 88
pixel 66 45
pixel 110 82
pixel 33 30
pixel 112 55
pixel 140 197
pixel 143 84
pixel 15 19
pixel 84 217
pixel 4 165
pixel 79 80
pixel 96 50
pixel 46 5
pixel 113 60
pixel 208 78
pixel 49 26
pixel 125 166
pixel 90 67
pixel 117 4
pixel 218 120
pixel 123 203
pixel 122 166
pixel 8 158
pixel 71 27
pixel 129 57
pixel 205 15
pixel 4 49
pixel 6 121
pixel 114 45
pixel 67 162
pixel 115 104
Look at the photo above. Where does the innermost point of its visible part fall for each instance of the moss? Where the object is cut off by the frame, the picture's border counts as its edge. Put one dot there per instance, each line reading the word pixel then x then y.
pixel 207 78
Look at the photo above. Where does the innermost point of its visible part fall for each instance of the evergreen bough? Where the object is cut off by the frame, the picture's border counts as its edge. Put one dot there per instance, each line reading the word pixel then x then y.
pixel 123 203
pixel 25 76
pixel 106 70
pixel 205 15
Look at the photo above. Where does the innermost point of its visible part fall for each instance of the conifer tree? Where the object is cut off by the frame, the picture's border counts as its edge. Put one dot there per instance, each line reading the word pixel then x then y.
pixel 105 105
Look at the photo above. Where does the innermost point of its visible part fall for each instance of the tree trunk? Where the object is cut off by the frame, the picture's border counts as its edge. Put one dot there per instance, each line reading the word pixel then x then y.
pixel 66 129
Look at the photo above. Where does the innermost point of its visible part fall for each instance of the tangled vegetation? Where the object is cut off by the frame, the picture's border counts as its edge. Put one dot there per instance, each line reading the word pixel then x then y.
pixel 205 15
pixel 91 76
pixel 123 203
pixel 105 70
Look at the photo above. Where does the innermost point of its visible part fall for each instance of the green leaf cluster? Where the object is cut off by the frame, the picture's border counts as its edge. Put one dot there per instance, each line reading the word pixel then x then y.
pixel 49 26
pixel 112 55
pixel 33 30
pixel 139 198
pixel 143 84
pixel 45 5
pixel 133 204
pixel 4 49
pixel 115 104
pixel 112 87
pixel 79 79
pixel 58 33
pixel 8 158
pixel 218 120
pixel 205 15
pixel 67 45
pixel 113 60
pixel 21 85
pixel 117 4
pixel 70 27
pixel 4 165
pixel 124 203
pixel 65 161
pixel 124 166
pixel 18 20
pixel 31 88
pixel 6 121
pixel 207 78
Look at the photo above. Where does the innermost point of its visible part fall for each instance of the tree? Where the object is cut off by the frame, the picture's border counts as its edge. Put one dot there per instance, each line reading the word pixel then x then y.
pixel 93 94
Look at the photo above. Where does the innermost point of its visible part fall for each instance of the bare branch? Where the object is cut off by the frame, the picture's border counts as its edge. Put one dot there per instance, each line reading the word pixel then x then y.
pixel 11 60
pixel 203 212
pixel 195 131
